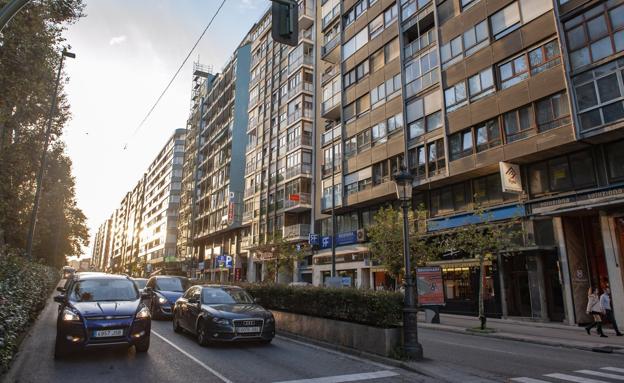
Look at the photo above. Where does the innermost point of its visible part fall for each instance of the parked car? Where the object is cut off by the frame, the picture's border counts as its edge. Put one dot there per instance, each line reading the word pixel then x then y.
pixel 222 313
pixel 101 310
pixel 140 283
pixel 161 293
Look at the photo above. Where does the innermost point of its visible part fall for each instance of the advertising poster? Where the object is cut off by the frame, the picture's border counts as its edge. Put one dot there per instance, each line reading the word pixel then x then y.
pixel 429 282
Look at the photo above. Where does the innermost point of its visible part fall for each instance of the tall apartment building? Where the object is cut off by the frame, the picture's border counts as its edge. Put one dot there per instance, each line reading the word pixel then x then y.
pixel 161 204
pixel 278 156
pixel 101 246
pixel 452 89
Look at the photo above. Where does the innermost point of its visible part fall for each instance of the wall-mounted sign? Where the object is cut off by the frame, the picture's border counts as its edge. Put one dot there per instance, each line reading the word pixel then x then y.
pixel 224 262
pixel 510 177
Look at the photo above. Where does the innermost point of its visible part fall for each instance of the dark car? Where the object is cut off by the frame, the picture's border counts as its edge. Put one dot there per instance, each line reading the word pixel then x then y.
pixel 161 293
pixel 140 283
pixel 222 313
pixel 101 310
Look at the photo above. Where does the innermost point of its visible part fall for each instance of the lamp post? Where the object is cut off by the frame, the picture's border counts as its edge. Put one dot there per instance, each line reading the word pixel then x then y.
pixel 42 164
pixel 413 349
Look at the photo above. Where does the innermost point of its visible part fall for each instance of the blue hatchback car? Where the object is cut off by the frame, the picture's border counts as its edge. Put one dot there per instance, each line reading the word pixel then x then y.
pixel 101 310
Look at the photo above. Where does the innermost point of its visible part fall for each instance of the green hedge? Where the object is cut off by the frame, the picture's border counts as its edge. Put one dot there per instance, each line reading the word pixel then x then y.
pixel 24 289
pixel 373 308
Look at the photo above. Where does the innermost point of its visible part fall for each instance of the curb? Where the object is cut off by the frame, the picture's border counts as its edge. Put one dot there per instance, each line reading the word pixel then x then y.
pixel 528 339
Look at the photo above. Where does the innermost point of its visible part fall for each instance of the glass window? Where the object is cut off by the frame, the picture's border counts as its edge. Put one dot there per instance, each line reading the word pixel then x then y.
pixel 481 84
pixel 518 123
pixel 513 71
pixel 505 21
pixel 436 162
pixel 460 145
pixel 552 112
pixel 488 135
pixel 455 96
pixel 562 173
pixel 615 159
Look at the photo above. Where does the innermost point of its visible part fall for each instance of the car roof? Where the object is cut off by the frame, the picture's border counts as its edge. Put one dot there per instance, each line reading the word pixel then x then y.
pixel 84 276
pixel 138 279
pixel 221 286
pixel 168 276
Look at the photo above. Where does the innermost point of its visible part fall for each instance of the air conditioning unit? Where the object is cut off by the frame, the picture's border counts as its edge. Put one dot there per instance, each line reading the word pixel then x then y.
pixel 361 235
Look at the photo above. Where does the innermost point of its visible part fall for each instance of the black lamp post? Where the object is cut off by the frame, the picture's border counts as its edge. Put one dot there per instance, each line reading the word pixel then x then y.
pixel 413 349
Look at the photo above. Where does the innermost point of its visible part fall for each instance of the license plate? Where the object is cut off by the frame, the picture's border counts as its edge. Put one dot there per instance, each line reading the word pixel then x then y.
pixel 248 329
pixel 107 333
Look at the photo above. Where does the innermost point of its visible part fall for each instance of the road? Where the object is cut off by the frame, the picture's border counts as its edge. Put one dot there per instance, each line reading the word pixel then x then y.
pixel 178 358
pixel 500 360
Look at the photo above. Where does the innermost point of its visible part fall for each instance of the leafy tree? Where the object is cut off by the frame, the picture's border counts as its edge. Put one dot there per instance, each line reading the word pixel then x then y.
pixel 386 240
pixel 483 240
pixel 30 47
pixel 284 256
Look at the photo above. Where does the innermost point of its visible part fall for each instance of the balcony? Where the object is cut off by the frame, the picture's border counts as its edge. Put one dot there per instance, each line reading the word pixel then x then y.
pixel 329 51
pixel 296 232
pixel 327 168
pixel 330 108
pixel 298 202
pixel 250 168
pixel 247 216
pixel 307 86
pixel 249 192
pixel 306 14
pixel 330 17
pixel 302 60
pixel 305 140
pixel 298 114
pixel 299 170
pixel 329 74
pixel 331 135
pixel 246 242
pixel 419 44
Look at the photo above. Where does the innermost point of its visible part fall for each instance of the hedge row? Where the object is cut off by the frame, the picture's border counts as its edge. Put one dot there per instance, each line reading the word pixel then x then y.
pixel 24 289
pixel 373 308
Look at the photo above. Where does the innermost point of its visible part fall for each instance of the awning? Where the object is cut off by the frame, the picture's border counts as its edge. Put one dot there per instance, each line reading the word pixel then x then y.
pixel 343 250
pixel 578 206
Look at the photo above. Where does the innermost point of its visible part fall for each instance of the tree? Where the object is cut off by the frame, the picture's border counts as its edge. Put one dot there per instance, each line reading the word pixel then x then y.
pixel 30 48
pixel 483 240
pixel 284 255
pixel 386 240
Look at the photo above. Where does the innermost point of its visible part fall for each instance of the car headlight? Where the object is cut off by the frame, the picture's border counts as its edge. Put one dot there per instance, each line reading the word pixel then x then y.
pixel 69 316
pixel 270 319
pixel 162 300
pixel 222 321
pixel 143 313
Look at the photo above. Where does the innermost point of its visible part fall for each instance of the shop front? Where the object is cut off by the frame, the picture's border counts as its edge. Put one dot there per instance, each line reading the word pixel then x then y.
pixel 352 264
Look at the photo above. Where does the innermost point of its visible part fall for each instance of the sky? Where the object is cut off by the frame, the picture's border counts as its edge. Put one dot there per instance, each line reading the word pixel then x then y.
pixel 126 52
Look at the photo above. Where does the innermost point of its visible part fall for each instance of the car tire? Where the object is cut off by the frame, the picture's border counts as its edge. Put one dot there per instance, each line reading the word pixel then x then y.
pixel 60 350
pixel 176 324
pixel 142 345
pixel 202 334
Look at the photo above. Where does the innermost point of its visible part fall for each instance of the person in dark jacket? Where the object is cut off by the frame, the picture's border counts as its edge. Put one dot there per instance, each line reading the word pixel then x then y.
pixel 607 305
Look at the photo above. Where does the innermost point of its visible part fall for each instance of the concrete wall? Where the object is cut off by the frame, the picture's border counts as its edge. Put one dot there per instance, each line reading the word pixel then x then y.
pixel 381 341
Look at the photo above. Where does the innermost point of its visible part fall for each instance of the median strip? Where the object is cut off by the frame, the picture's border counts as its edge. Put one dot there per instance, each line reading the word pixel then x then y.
pixel 194 359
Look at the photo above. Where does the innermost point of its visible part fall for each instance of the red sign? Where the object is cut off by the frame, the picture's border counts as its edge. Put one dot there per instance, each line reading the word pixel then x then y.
pixel 294 197
pixel 237 274
pixel 231 212
pixel 430 286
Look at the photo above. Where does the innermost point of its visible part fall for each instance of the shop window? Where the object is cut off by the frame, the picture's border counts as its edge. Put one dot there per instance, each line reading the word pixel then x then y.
pixel 552 112
pixel 574 171
pixel 615 160
pixel 599 95
pixel 488 135
pixel 518 124
pixel 460 145
pixel 596 34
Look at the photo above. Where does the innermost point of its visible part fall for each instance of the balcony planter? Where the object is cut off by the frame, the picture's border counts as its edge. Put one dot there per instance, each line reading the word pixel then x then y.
pixel 375 340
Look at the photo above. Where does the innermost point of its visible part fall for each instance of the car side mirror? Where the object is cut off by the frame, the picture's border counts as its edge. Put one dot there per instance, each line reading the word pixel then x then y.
pixel 59 298
pixel 60 289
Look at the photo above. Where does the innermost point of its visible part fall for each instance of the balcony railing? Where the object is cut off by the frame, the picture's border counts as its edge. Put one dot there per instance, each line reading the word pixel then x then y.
pixel 301 140
pixel 250 168
pixel 304 59
pixel 298 114
pixel 328 18
pixel 331 44
pixel 247 216
pixel 331 135
pixel 331 103
pixel 329 74
pixel 297 200
pixel 301 230
pixel 298 170
pixel 420 43
pixel 301 86
pixel 249 192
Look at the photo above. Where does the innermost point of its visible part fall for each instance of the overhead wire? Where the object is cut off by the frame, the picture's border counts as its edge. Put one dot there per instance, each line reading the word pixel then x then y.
pixel 175 74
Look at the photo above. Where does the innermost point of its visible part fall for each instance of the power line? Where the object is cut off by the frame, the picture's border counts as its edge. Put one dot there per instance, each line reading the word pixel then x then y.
pixel 177 72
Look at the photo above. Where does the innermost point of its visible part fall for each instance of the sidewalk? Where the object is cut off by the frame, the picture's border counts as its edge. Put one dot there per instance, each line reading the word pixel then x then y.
pixel 551 334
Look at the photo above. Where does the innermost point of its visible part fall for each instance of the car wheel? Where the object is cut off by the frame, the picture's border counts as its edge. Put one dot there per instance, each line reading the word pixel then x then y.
pixel 142 345
pixel 176 324
pixel 60 350
pixel 202 334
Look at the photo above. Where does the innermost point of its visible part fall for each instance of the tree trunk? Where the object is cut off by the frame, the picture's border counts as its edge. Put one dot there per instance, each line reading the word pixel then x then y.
pixel 481 292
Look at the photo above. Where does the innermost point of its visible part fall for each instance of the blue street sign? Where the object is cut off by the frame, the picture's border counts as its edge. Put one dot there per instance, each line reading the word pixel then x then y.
pixel 313 239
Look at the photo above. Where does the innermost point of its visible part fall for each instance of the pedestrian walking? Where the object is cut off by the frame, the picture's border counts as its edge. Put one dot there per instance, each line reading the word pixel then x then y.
pixel 607 305
pixel 595 309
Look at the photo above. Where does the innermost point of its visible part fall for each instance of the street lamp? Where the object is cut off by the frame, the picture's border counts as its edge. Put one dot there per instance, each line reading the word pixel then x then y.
pixel 413 349
pixel 42 164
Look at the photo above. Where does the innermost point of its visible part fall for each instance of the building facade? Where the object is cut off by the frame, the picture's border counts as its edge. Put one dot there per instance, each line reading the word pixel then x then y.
pixel 101 246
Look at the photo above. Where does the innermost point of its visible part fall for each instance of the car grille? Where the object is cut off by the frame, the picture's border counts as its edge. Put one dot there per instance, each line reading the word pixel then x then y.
pixel 252 322
pixel 110 317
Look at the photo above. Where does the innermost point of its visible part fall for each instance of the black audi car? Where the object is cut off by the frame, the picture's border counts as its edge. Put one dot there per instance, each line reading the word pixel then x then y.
pixel 161 293
pixel 217 313
pixel 100 310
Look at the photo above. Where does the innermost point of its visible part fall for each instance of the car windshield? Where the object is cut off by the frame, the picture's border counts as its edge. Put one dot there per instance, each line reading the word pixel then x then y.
pixel 212 296
pixel 173 284
pixel 97 290
pixel 140 283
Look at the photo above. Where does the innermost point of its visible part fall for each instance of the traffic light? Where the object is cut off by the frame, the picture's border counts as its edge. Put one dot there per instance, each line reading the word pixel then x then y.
pixel 285 28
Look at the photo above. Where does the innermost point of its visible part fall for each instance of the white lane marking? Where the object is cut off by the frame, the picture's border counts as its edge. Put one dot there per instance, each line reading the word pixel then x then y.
pixel 572 378
pixel 601 374
pixel 346 378
pixel 329 350
pixel 194 359
pixel 528 380
pixel 614 369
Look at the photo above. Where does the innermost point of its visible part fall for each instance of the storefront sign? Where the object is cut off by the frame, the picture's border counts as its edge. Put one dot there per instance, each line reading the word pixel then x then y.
pixel 313 239
pixel 510 177
pixel 346 281
pixel 430 286
pixel 346 238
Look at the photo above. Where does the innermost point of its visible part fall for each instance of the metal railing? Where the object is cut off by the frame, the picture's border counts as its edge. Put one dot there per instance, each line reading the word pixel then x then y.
pixel 331 135
pixel 301 230
pixel 301 199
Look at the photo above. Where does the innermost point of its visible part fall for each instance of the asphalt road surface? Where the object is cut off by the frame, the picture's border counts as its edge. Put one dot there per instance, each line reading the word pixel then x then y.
pixel 178 358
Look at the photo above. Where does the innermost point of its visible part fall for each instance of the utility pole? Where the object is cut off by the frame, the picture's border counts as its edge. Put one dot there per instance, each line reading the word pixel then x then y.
pixel 42 164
